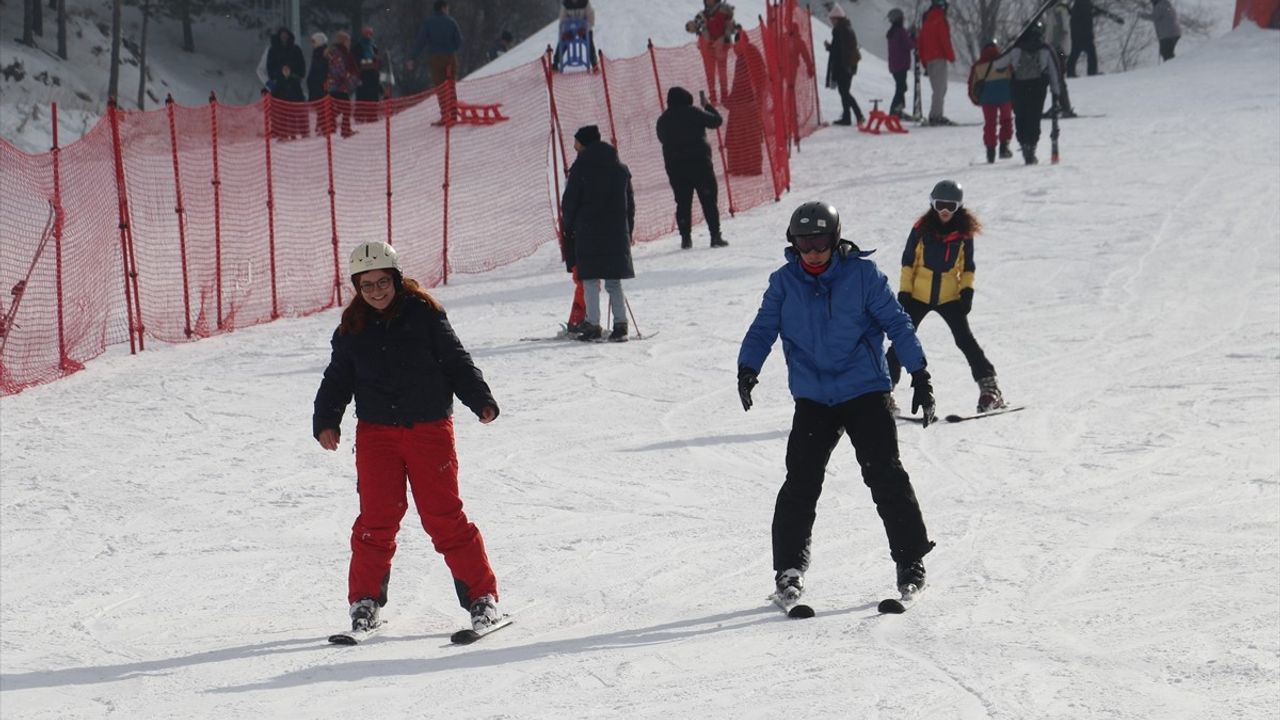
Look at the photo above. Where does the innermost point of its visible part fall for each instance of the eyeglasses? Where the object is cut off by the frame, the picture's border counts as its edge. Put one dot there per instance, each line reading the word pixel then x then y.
pixel 381 284
pixel 812 243
pixel 947 205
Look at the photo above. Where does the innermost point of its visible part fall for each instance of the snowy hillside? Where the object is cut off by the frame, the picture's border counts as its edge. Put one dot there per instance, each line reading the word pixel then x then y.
pixel 174 544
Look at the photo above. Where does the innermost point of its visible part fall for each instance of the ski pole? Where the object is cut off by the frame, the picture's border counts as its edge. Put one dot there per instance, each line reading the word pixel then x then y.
pixel 632 313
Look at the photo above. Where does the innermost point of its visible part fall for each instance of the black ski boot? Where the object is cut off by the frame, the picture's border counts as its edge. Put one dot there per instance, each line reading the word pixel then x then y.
pixel 789 585
pixel 686 242
pixel 364 615
pixel 590 332
pixel 1029 154
pixel 619 333
pixel 1005 152
pixel 910 573
pixel 991 154
pixel 989 395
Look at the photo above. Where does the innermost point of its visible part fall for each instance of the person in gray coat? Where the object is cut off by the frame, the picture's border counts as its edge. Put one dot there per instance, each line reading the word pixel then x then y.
pixel 599 216
pixel 1168 31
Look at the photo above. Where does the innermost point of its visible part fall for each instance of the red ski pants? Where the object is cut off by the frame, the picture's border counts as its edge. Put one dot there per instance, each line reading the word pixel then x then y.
pixel 990 114
pixel 424 455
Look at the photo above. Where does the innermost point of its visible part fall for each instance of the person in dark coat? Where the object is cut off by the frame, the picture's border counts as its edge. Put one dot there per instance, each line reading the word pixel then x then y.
pixel 369 66
pixel 843 63
pixel 286 67
pixel 319 69
pixel 899 43
pixel 441 39
pixel 682 130
pixel 396 353
pixel 599 215
pixel 1082 42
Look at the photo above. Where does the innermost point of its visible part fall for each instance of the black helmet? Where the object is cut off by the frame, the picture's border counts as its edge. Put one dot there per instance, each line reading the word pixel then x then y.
pixel 947 190
pixel 895 15
pixel 1035 31
pixel 814 218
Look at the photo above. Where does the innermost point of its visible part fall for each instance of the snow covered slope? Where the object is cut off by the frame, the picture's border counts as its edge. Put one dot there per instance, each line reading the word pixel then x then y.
pixel 173 543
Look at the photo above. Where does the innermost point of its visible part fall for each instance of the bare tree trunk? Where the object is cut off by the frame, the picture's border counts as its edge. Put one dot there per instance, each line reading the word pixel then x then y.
pixel 28 26
pixel 142 61
pixel 188 38
pixel 62 27
pixel 37 17
pixel 113 85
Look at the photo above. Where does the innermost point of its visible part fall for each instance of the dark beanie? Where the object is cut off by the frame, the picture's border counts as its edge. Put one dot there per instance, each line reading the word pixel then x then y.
pixel 587 134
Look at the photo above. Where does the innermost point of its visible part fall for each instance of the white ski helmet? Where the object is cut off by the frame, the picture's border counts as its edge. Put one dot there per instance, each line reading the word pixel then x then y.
pixel 375 255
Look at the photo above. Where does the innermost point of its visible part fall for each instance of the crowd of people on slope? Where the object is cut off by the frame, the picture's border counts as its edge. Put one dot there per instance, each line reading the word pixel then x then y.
pixel 395 353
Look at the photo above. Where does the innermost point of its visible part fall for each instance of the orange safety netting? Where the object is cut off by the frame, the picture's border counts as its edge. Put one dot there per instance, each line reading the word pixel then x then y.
pixel 184 222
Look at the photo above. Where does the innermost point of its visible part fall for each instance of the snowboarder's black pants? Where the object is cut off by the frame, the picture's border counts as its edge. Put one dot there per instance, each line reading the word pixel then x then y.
pixel 685 182
pixel 847 103
pixel 1028 105
pixel 1166 47
pixel 815 430
pixel 953 314
pixel 899 92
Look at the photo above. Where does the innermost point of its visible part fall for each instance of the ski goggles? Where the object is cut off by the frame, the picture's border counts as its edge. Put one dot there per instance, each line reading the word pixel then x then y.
pixel 813 243
pixel 947 205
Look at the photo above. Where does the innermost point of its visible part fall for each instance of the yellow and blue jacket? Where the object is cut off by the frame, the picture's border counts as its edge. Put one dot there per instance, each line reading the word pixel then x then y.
pixel 936 267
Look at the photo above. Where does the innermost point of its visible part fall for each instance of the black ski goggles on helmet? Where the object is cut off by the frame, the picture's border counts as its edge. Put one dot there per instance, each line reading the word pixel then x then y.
pixel 813 243
pixel 947 205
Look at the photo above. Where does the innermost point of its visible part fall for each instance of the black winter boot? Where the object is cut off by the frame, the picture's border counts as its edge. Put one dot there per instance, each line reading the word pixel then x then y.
pixel 718 241
pixel 910 573
pixel 1029 154
pixel 619 333
pixel 1005 153
pixel 991 154
pixel 686 242
pixel 590 332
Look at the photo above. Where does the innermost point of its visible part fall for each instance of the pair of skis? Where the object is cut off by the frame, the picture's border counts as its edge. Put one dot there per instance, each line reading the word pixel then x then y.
pixel 889 606
pixel 461 637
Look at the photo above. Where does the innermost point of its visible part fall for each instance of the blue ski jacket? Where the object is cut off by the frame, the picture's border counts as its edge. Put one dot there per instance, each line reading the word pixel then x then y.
pixel 833 327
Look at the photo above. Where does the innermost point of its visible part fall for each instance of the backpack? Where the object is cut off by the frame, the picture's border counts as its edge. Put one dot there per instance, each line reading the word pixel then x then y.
pixel 1030 65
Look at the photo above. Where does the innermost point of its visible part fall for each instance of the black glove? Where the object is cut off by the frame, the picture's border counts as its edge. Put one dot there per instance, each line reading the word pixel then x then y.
pixel 966 300
pixel 747 379
pixel 903 298
pixel 922 396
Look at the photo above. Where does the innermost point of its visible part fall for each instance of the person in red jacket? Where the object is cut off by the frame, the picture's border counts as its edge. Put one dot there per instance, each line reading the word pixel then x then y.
pixel 935 51
pixel 396 353
pixel 715 41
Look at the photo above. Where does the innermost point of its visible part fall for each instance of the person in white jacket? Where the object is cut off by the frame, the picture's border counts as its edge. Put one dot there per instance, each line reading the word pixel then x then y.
pixel 1168 31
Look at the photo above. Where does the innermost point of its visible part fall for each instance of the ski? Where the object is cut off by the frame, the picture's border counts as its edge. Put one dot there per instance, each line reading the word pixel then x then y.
pixel 899 605
pixel 989 413
pixel 964 418
pixel 793 609
pixel 355 637
pixel 605 338
pixel 468 636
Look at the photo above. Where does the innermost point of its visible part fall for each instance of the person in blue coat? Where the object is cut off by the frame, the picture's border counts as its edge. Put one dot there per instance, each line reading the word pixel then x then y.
pixel 832 307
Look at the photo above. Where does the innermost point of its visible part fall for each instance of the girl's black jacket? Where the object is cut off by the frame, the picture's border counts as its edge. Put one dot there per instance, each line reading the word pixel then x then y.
pixel 403 368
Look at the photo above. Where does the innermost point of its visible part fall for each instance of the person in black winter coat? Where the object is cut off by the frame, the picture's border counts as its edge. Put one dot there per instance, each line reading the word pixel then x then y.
pixel 286 68
pixel 682 130
pixel 319 67
pixel 843 63
pixel 396 353
pixel 599 215
pixel 1082 13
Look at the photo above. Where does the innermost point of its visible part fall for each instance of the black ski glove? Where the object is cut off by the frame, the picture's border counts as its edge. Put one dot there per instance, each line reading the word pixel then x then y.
pixel 966 300
pixel 922 396
pixel 747 379
pixel 903 298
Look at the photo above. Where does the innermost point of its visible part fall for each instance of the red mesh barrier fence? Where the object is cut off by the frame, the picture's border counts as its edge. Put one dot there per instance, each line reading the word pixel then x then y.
pixel 184 222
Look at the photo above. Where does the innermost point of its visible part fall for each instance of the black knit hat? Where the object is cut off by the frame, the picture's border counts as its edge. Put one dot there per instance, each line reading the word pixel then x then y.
pixel 587 134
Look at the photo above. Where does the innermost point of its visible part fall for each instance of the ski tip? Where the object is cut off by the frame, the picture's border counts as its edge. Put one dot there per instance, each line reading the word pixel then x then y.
pixel 343 639
pixel 889 606
pixel 955 418
pixel 464 637
pixel 800 612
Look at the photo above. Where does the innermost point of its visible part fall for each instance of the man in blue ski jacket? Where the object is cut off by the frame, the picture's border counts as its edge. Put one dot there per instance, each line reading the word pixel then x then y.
pixel 832 308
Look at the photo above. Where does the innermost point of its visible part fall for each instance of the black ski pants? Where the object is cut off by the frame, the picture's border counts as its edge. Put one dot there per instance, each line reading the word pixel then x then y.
pixel 847 104
pixel 1028 106
pixel 899 103
pixel 815 431
pixel 953 314
pixel 1085 46
pixel 685 181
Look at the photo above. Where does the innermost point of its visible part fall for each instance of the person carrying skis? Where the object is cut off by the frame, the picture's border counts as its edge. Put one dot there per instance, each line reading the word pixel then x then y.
pixel 1035 71
pixel 989 88
pixel 899 44
pixel 937 276
pixel 686 154
pixel 935 50
pixel 838 377
pixel 396 353
pixel 843 63
pixel 599 211
pixel 1168 31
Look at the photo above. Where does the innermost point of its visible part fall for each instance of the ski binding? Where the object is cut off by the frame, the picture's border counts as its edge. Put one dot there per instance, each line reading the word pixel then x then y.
pixel 468 636
pixel 355 637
